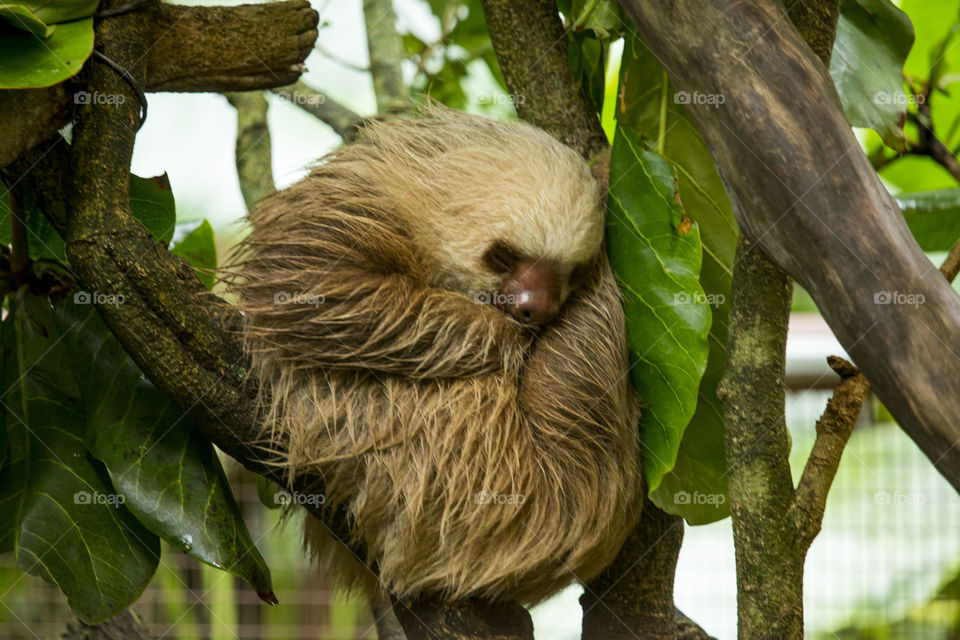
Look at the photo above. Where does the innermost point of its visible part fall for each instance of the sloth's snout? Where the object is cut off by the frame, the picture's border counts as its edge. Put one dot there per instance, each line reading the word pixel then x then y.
pixel 532 292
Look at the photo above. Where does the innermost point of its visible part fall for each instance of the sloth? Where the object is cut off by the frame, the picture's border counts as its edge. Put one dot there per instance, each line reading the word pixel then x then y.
pixel 437 334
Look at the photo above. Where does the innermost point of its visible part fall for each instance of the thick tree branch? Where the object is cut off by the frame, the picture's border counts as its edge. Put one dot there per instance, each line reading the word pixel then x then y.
pixel 792 190
pixel 951 266
pixel 185 52
pixel 342 120
pixel 633 597
pixel 531 47
pixel 757 449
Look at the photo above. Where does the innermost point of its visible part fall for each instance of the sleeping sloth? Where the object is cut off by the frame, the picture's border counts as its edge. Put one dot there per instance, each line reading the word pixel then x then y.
pixel 438 335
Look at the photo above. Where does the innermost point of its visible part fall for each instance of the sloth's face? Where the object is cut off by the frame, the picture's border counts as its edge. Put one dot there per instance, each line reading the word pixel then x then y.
pixel 532 289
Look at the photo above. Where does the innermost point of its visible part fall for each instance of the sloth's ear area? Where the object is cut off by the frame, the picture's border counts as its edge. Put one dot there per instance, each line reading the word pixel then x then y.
pixel 533 292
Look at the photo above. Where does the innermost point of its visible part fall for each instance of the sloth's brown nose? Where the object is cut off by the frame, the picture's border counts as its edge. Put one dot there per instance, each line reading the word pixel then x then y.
pixel 532 292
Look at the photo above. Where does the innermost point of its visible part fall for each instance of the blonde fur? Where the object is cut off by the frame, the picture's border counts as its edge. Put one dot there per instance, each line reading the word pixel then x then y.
pixel 384 375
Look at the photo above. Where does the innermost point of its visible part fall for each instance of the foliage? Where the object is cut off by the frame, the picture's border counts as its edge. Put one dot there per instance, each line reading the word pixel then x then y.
pixel 98 464
pixel 44 43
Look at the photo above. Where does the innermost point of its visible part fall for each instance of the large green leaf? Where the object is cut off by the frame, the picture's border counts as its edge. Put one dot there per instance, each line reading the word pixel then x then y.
pixel 200 250
pixel 169 475
pixel 872 43
pixel 28 60
pixel 933 217
pixel 656 254
pixel 62 516
pixel 645 94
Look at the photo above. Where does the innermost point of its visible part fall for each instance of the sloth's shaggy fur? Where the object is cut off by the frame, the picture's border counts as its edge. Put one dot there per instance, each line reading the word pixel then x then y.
pixel 387 378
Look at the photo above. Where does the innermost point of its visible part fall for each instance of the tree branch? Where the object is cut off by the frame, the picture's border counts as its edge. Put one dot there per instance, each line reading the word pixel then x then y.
pixel 951 266
pixel 531 46
pixel 252 156
pixel 386 55
pixel 757 447
pixel 833 431
pixel 267 43
pixel 826 195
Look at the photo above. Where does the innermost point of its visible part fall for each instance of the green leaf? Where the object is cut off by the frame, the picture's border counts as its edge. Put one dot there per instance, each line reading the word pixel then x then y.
pixel 62 516
pixel 43 241
pixel 20 17
pixel 268 492
pixel 200 250
pixel 872 43
pixel 169 475
pixel 585 55
pixel 30 61
pixel 603 17
pixel 656 254
pixel 55 11
pixel 933 217
pixel 151 202
pixel 645 94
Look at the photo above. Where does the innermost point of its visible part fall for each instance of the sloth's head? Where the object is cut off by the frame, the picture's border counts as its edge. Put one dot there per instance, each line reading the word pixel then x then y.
pixel 497 210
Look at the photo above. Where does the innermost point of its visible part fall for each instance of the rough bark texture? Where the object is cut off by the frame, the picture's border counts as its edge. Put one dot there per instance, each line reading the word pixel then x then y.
pixel 531 46
pixel 123 626
pixel 769 567
pixel 467 620
pixel 633 598
pixel 251 46
pixel 253 156
pixel 185 52
pixel 792 191
pixel 385 46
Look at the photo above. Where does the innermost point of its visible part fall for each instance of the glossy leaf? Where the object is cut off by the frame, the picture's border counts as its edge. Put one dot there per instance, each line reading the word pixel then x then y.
pixel 30 61
pixel 933 217
pixel 169 475
pixel 20 17
pixel 644 94
pixel 151 202
pixel 62 516
pixel 872 43
pixel 655 252
pixel 200 250
pixel 54 11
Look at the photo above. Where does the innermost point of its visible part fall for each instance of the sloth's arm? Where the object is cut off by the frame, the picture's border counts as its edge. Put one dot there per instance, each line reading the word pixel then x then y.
pixel 576 376
pixel 343 291
pixel 394 325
